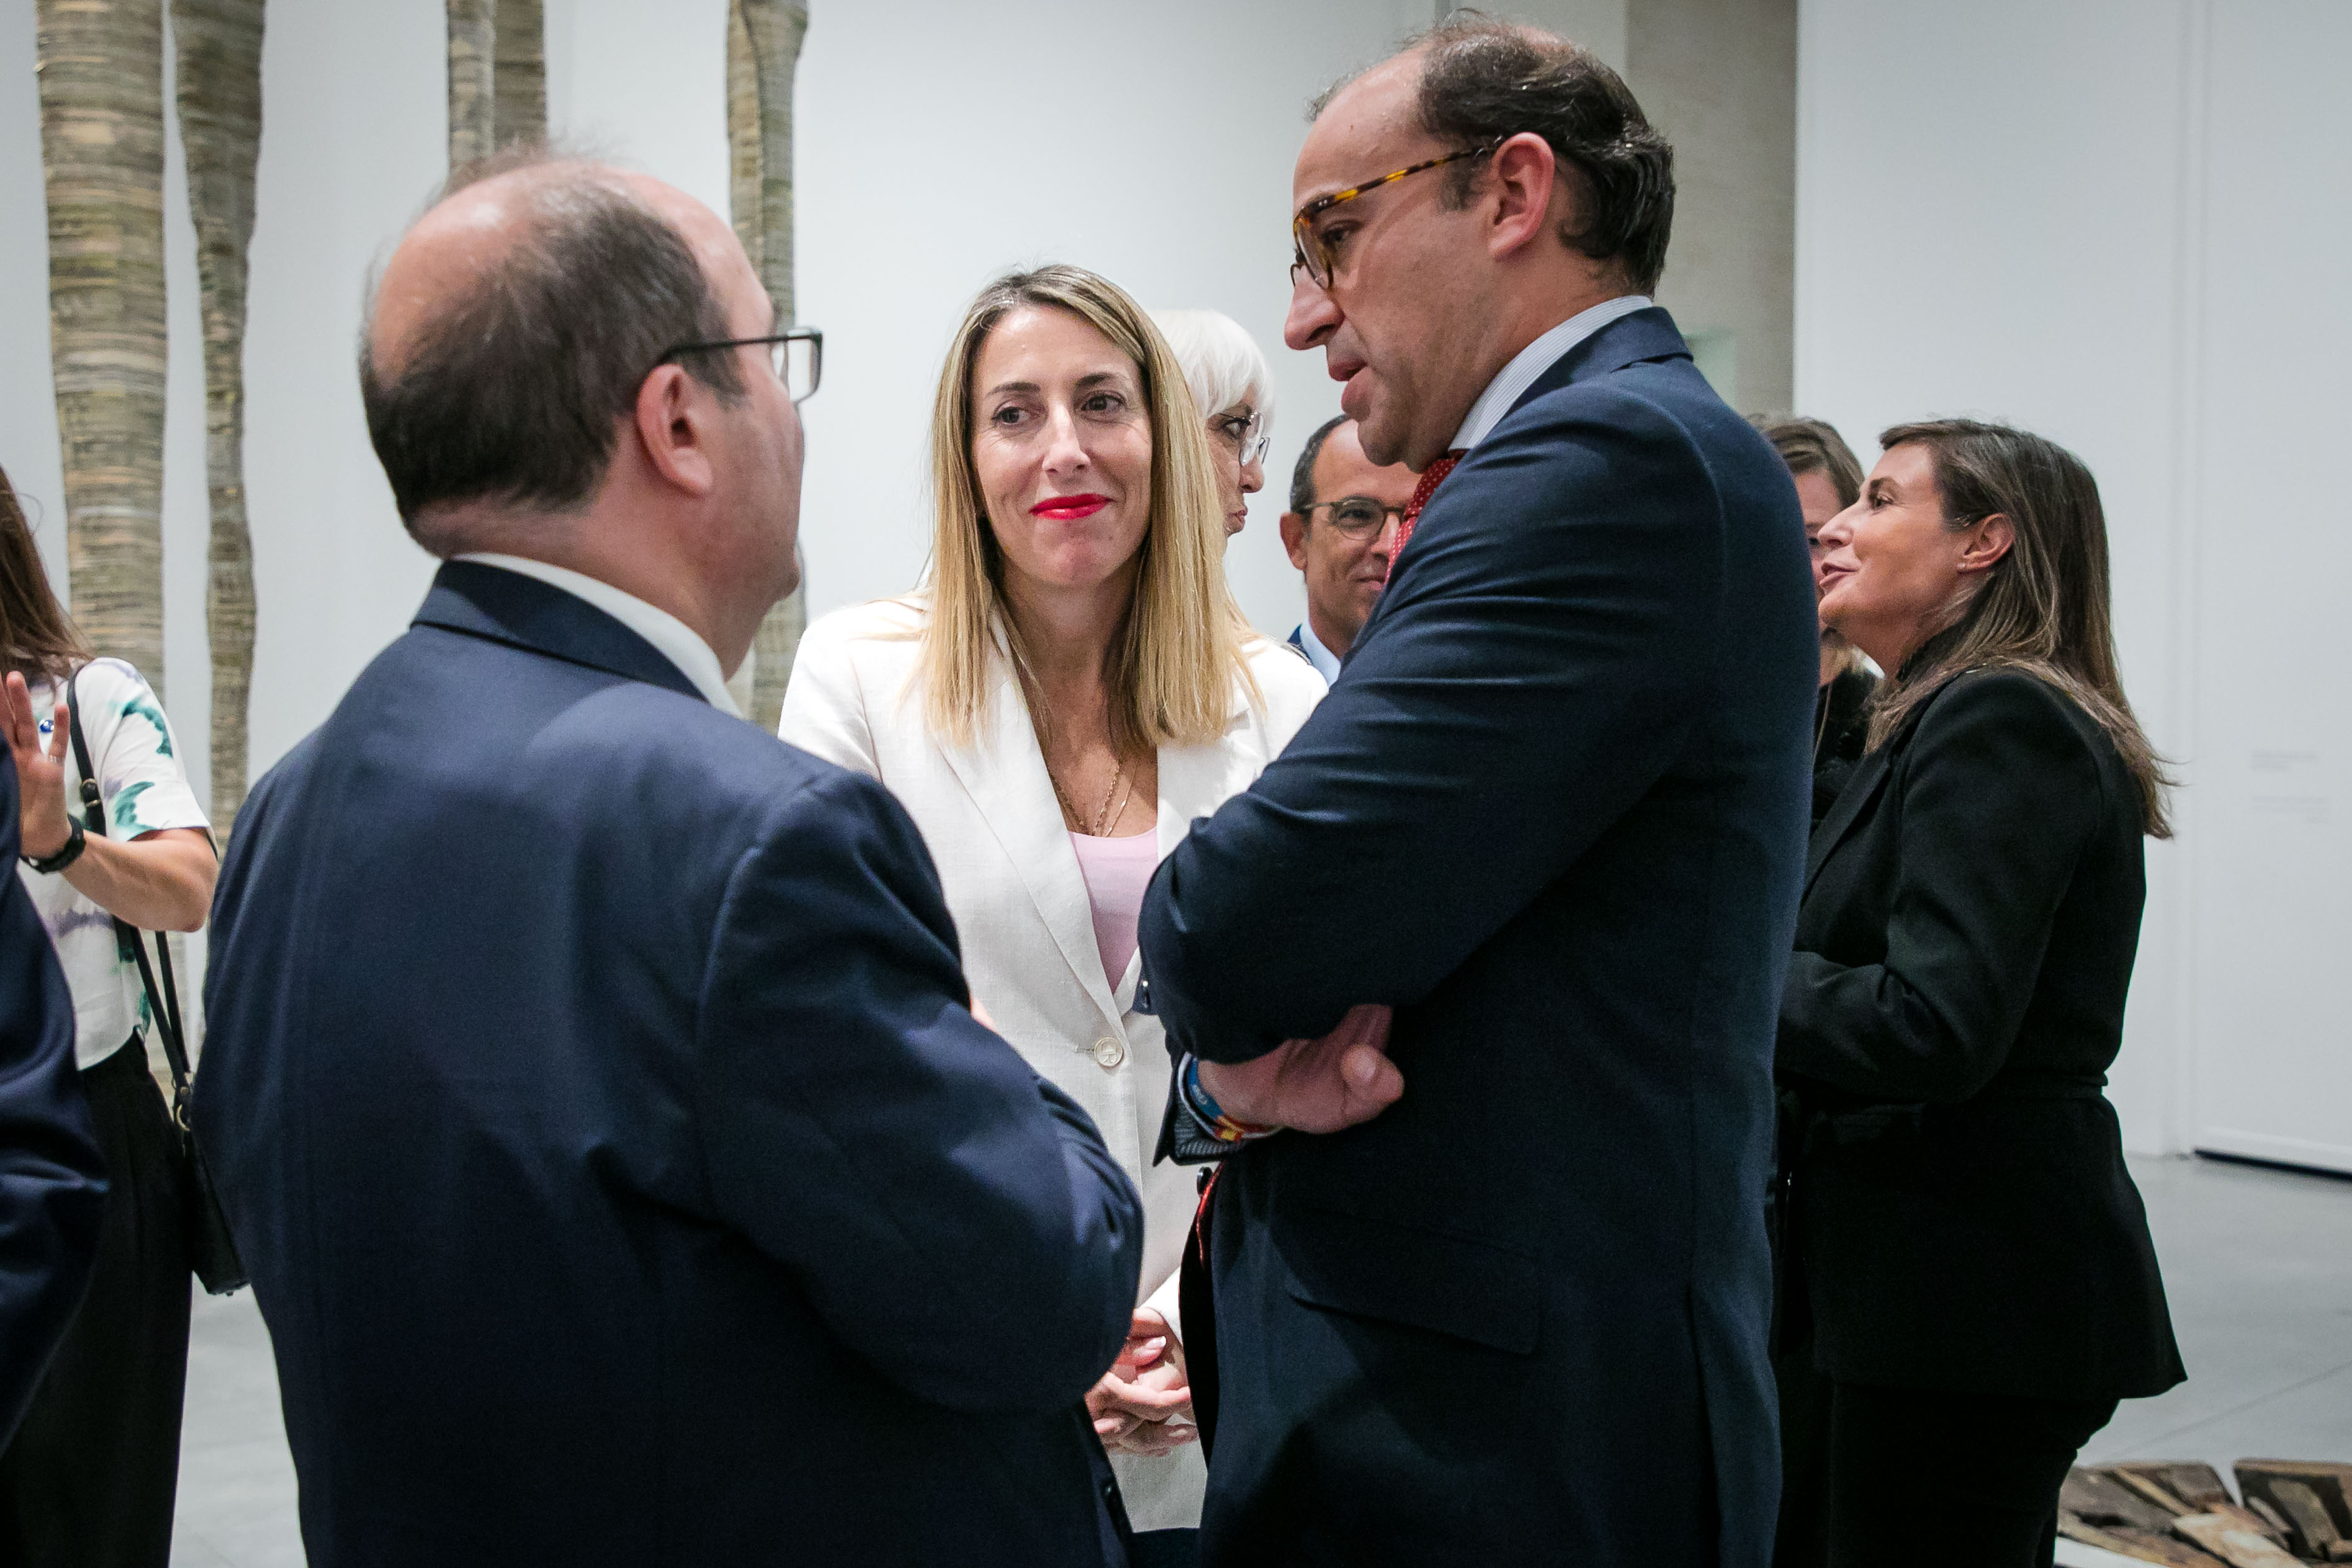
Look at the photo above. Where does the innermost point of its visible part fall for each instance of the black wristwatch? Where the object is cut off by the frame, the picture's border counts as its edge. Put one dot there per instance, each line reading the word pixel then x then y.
pixel 68 852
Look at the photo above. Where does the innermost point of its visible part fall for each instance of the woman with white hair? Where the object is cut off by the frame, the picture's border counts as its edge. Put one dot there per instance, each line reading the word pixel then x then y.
pixel 1233 389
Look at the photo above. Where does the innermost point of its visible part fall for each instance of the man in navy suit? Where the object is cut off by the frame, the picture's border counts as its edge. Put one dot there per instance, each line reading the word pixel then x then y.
pixel 52 1177
pixel 1500 1294
pixel 592 1085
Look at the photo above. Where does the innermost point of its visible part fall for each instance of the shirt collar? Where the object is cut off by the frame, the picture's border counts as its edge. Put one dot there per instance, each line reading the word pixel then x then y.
pixel 1325 663
pixel 672 639
pixel 1530 364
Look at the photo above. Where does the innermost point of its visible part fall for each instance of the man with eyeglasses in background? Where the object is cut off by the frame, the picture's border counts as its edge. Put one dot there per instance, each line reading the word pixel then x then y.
pixel 1341 532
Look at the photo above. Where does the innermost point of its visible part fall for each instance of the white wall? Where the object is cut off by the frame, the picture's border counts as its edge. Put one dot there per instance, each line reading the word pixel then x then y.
pixel 937 145
pixel 2120 222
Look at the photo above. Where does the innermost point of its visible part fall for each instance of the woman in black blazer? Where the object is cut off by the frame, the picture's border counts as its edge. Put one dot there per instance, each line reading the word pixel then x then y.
pixel 1966 1249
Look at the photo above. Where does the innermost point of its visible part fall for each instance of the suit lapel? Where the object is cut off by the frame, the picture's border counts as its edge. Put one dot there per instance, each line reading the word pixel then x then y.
pixel 1004 774
pixel 1860 790
pixel 1643 337
pixel 502 606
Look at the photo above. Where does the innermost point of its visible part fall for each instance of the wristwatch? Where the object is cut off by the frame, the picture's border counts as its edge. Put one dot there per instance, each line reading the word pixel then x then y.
pixel 68 852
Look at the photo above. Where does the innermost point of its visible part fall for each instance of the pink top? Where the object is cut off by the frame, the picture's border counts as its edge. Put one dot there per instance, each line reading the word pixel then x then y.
pixel 1117 871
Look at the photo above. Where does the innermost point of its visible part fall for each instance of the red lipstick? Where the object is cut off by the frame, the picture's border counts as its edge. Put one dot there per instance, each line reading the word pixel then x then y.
pixel 1069 508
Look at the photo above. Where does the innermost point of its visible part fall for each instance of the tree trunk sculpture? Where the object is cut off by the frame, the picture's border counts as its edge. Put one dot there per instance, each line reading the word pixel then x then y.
pixel 101 87
pixel 473 72
pixel 218 46
pixel 520 83
pixel 497 76
pixel 764 46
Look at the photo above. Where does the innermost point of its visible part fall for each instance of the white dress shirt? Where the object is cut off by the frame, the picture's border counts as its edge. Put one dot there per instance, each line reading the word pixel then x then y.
pixel 1528 366
pixel 1325 663
pixel 672 639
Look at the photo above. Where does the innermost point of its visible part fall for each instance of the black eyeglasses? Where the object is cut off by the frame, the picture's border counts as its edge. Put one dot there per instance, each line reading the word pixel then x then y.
pixel 798 357
pixel 1357 515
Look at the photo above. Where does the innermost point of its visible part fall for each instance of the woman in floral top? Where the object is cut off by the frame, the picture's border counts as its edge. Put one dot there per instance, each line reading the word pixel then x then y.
pixel 89 1476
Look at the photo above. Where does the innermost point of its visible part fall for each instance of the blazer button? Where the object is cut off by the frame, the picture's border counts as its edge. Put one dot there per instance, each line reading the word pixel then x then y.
pixel 1109 1052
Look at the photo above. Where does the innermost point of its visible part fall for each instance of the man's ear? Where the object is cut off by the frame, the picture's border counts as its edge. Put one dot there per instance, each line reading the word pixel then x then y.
pixel 673 425
pixel 1994 536
pixel 1294 538
pixel 1522 183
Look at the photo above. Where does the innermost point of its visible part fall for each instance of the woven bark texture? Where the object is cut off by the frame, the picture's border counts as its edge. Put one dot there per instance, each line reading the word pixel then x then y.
pixel 763 48
pixel 218 52
pixel 473 73
pixel 101 89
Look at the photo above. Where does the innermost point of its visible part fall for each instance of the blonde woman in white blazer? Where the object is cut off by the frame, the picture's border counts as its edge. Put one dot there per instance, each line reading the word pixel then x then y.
pixel 1071 689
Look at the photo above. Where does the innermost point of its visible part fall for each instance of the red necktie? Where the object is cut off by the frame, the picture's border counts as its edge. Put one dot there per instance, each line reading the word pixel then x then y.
pixel 1430 477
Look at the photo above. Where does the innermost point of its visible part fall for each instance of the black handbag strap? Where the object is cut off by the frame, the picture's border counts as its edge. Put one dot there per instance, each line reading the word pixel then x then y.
pixel 163 1000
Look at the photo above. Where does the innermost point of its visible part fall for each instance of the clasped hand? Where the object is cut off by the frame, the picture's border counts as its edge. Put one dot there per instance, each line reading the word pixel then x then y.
pixel 1314 1085
pixel 1144 1403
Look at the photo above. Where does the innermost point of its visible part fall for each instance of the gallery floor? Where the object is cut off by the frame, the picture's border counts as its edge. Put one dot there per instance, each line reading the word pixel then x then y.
pixel 2258 1264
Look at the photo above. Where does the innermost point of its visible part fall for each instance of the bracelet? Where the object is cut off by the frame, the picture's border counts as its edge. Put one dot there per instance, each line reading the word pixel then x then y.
pixel 1211 1116
pixel 75 841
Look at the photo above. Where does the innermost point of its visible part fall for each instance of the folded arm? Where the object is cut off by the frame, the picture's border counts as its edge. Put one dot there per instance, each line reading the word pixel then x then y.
pixel 1519 686
pixel 954 1218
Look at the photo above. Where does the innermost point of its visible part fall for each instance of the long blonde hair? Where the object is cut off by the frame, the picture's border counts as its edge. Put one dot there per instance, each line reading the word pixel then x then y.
pixel 1175 661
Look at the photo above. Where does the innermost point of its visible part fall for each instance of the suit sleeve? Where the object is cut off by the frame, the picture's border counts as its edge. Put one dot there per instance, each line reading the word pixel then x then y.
pixel 1518 687
pixel 825 709
pixel 52 1178
pixel 2000 795
pixel 953 1218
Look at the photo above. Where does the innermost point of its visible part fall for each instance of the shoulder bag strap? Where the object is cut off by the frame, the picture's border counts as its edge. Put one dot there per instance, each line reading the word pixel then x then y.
pixel 163 1001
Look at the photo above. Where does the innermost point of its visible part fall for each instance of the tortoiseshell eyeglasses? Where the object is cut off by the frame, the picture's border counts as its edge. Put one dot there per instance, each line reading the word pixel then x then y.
pixel 1310 255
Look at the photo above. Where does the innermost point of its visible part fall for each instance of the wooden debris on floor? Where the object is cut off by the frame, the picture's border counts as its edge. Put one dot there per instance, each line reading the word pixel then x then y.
pixel 2183 1514
pixel 2310 1503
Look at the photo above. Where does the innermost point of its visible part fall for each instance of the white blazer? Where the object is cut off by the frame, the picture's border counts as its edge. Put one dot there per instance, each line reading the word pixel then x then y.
pixel 989 814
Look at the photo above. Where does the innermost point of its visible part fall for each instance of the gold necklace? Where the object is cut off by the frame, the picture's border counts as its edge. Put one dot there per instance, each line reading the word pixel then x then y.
pixel 1040 708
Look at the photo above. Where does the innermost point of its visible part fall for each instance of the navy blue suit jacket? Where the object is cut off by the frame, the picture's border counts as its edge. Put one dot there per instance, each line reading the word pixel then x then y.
pixel 52 1179
pixel 1554 812
pixel 592 1093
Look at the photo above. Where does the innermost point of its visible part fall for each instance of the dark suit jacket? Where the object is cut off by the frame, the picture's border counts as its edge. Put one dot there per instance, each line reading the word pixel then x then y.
pixel 1554 812
pixel 52 1178
pixel 593 1093
pixel 1839 730
pixel 1963 1219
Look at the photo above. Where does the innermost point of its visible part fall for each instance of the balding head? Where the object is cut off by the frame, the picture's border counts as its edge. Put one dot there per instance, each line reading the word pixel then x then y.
pixel 516 321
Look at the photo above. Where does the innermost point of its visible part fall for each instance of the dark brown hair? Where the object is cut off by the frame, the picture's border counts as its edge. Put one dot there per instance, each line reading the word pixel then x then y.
pixel 1302 472
pixel 1813 446
pixel 37 638
pixel 2044 607
pixel 514 388
pixel 1483 80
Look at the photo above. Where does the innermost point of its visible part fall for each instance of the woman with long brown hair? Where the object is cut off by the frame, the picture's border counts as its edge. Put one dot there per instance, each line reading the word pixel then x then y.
pixel 1967 1253
pixel 91 1475
pixel 1068 691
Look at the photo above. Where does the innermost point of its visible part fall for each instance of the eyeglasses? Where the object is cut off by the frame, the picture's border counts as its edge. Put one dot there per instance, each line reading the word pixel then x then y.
pixel 1357 515
pixel 1310 255
pixel 1243 435
pixel 798 357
